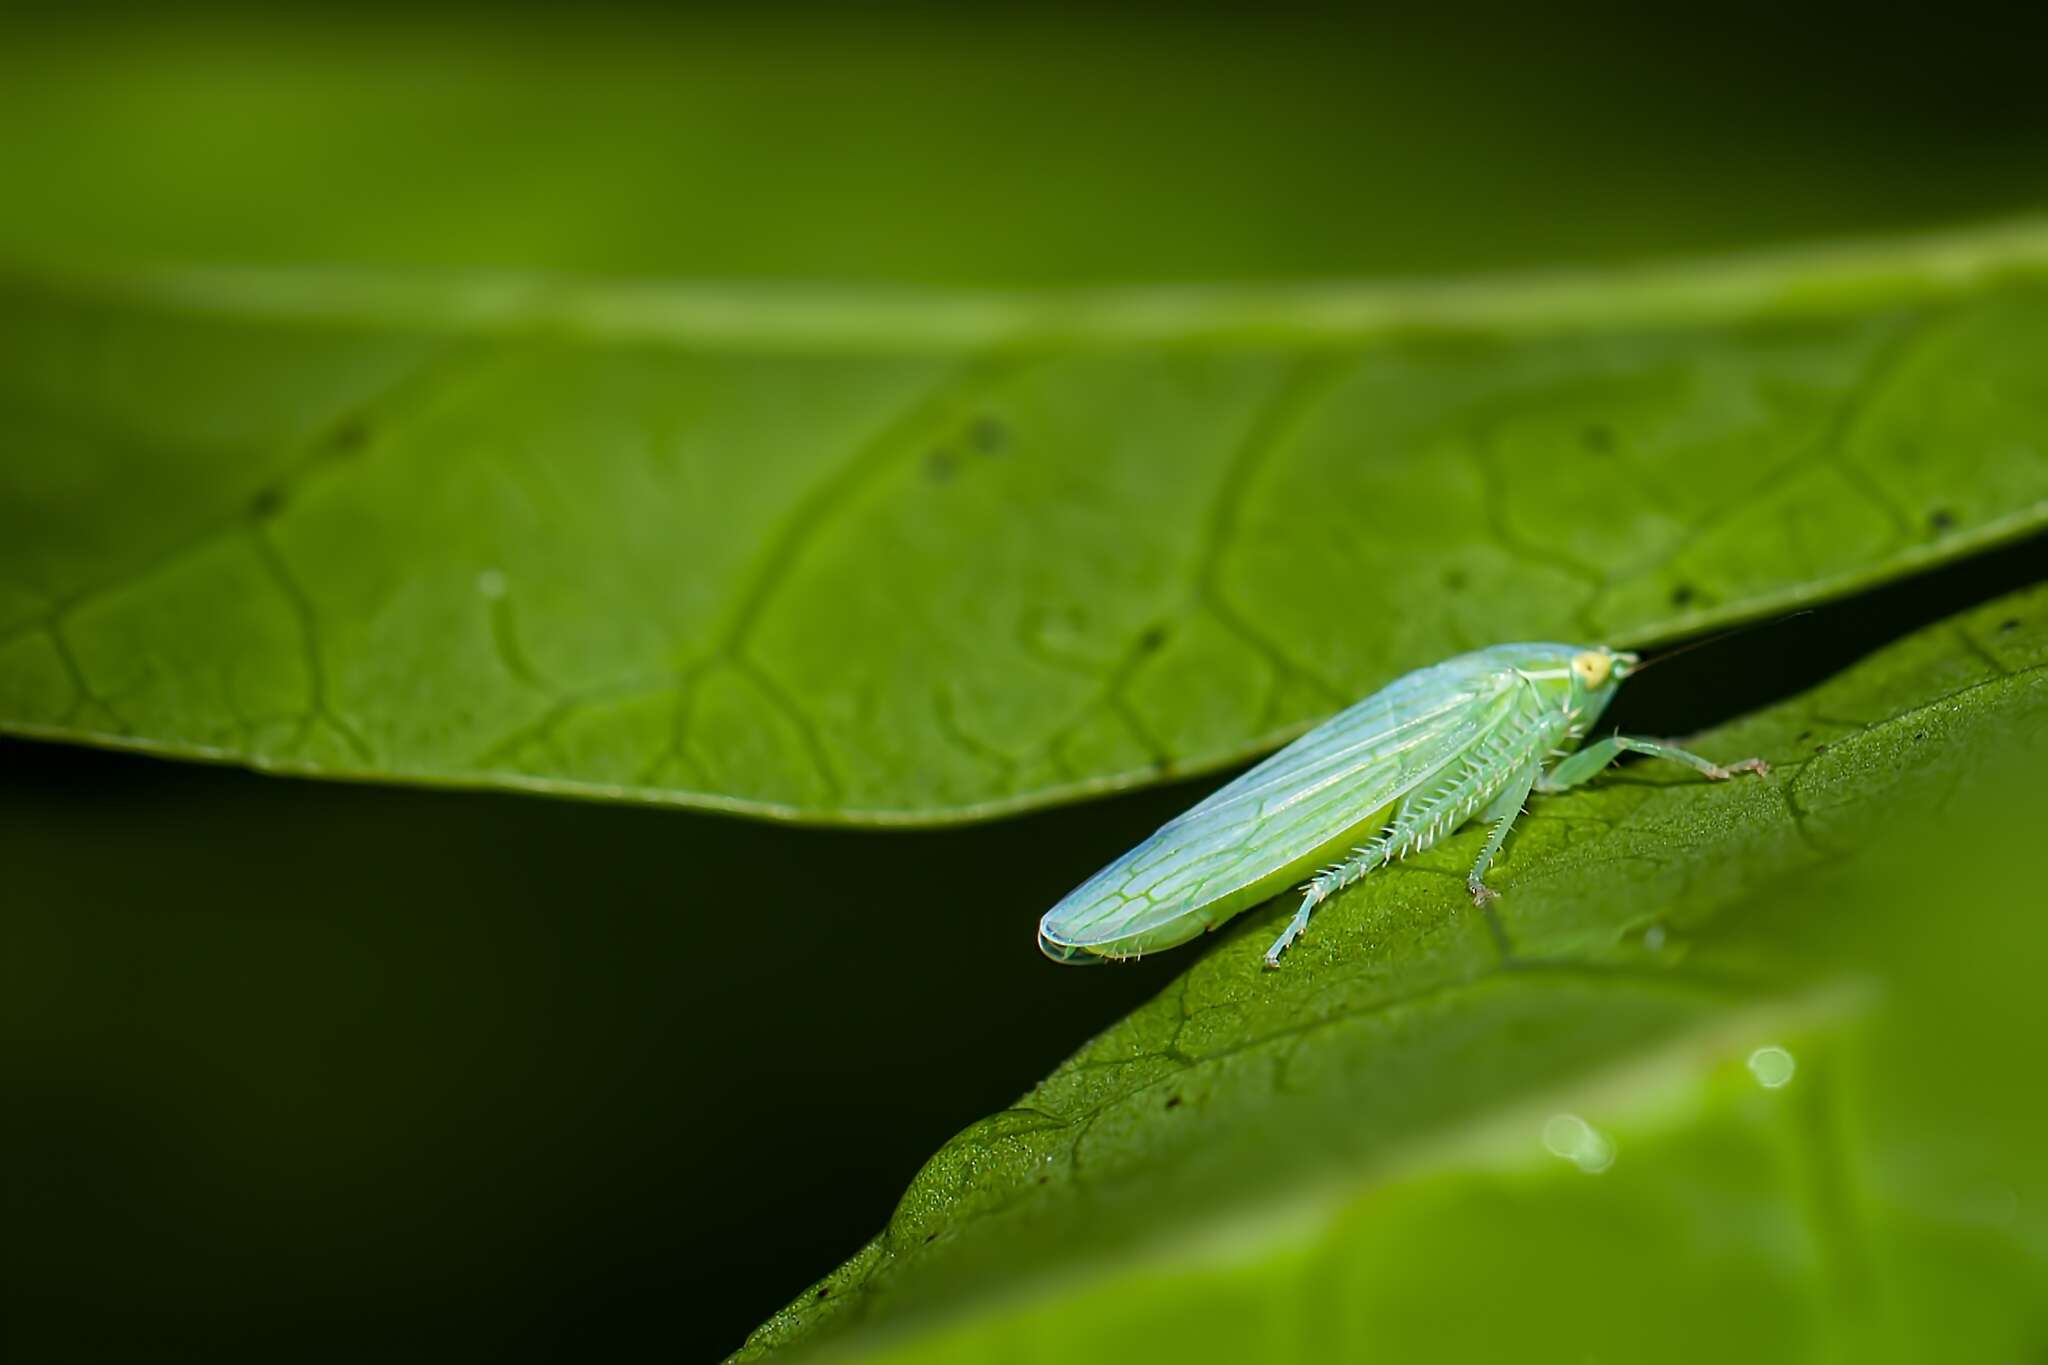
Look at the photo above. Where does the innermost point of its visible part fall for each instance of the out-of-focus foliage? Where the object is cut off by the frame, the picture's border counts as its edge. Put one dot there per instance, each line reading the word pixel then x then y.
pixel 1039 145
pixel 1746 1073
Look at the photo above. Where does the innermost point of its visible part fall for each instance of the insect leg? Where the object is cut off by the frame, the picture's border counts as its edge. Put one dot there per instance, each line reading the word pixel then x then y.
pixel 1500 813
pixel 1311 895
pixel 1590 760
pixel 1321 886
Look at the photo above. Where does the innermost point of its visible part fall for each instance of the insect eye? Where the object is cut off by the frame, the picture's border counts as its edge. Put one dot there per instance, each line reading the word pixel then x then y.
pixel 1592 668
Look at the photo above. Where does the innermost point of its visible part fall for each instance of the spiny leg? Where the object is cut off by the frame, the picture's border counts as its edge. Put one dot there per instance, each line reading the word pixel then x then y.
pixel 1588 761
pixel 1500 813
pixel 1311 896
pixel 1319 888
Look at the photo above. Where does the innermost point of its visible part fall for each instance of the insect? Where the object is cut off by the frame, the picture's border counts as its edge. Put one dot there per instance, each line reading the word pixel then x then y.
pixel 1468 738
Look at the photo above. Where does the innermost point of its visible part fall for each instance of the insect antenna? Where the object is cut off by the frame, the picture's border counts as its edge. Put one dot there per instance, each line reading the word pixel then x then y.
pixel 1715 639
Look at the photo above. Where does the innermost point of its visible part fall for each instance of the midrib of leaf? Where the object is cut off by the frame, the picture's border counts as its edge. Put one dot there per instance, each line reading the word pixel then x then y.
pixel 1788 283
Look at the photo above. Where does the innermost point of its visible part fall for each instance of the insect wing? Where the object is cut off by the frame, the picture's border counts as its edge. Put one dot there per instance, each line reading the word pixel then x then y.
pixel 1315 791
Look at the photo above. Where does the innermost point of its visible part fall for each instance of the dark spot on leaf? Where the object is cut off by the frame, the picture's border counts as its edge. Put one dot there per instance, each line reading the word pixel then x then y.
pixel 1173 1102
pixel 1152 639
pixel 940 466
pixel 1804 735
pixel 1598 439
pixel 1941 519
pixel 267 503
pixel 1456 580
pixel 930 1237
pixel 1683 595
pixel 1920 734
pixel 2008 627
pixel 989 435
pixel 825 1292
pixel 1820 748
pixel 1042 1179
pixel 351 436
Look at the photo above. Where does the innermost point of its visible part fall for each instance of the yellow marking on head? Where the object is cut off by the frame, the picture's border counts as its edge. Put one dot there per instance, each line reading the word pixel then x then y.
pixel 1593 666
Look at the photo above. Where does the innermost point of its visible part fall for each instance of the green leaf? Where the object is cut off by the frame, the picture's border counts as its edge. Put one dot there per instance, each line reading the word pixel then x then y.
pixel 1743 1071
pixel 1007 144
pixel 898 556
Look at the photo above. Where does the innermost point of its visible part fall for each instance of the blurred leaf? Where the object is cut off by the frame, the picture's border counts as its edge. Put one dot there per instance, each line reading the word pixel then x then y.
pixel 997 144
pixel 914 557
pixel 1747 1074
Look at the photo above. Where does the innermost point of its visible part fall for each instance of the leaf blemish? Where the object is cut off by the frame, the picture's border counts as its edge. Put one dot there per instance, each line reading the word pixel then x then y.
pixel 1683 595
pixel 267 503
pixel 1941 519
pixel 989 435
pixel 351 436
pixel 940 466
pixel 1173 1102
pixel 1152 639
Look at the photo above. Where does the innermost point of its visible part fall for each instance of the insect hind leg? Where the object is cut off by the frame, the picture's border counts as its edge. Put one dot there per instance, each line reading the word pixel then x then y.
pixel 1311 896
pixel 1318 889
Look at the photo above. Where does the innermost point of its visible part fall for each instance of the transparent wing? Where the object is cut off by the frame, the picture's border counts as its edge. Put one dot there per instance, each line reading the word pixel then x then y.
pixel 1303 797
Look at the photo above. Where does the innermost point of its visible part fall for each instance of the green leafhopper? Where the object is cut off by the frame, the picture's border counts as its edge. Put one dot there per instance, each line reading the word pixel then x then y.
pixel 1468 738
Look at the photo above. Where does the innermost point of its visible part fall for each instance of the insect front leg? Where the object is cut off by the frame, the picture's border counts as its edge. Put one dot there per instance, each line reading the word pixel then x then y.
pixel 1581 766
pixel 1500 813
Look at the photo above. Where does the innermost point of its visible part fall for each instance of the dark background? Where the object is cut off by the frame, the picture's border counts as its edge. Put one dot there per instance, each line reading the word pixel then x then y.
pixel 306 1071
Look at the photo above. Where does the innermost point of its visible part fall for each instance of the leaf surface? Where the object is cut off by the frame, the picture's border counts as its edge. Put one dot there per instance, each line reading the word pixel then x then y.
pixel 1006 145
pixel 1735 1069
pixel 901 556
